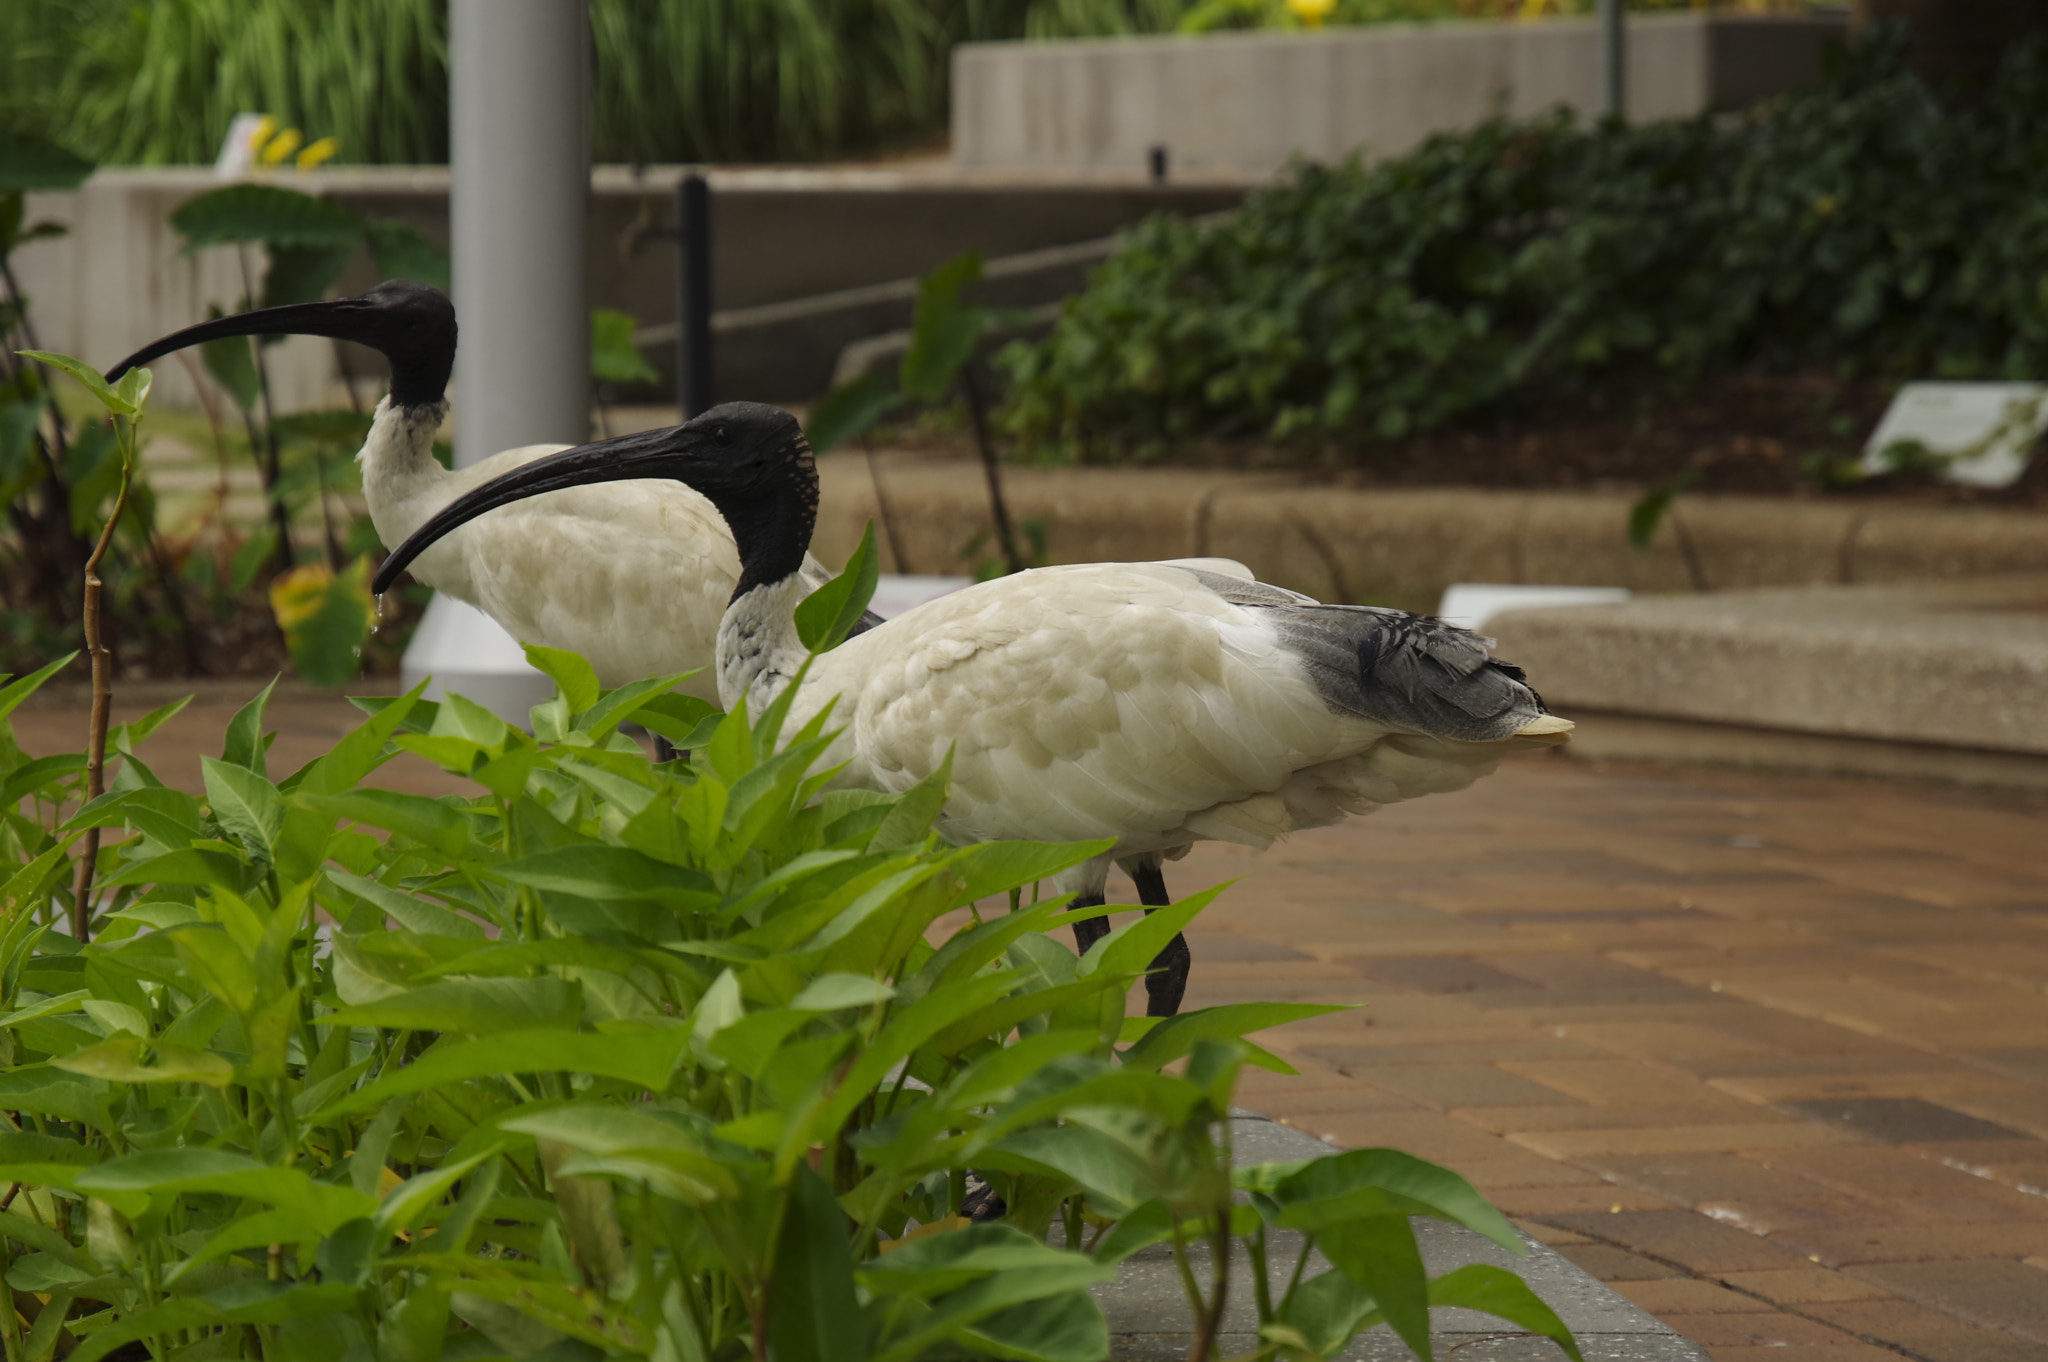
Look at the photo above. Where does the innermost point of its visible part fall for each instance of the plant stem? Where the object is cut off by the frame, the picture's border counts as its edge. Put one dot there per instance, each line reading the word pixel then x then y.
pixel 977 412
pixel 102 686
pixel 883 508
pixel 267 460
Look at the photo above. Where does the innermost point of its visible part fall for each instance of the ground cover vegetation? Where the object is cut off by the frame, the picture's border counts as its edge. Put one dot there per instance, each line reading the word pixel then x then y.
pixel 677 80
pixel 688 1060
pixel 1870 228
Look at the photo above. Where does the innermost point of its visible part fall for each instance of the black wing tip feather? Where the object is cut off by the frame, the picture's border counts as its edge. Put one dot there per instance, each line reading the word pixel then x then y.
pixel 1415 671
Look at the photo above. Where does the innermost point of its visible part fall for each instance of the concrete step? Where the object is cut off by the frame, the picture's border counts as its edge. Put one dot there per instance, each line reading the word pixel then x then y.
pixel 1938 679
pixel 1404 546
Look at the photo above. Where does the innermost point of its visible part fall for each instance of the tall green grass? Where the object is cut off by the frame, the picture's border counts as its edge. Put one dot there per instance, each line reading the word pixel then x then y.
pixel 128 82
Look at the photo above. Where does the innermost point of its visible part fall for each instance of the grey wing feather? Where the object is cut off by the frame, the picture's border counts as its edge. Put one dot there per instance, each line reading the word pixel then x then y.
pixel 1246 591
pixel 816 574
pixel 1409 671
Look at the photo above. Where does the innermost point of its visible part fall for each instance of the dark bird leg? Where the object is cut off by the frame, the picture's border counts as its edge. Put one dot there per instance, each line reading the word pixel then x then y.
pixel 1089 930
pixel 1168 981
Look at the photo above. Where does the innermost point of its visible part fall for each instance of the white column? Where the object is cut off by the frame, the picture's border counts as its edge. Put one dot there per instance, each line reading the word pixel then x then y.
pixel 519 138
pixel 519 101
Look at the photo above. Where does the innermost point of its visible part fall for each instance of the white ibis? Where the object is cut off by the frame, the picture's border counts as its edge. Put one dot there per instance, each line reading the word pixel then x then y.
pixel 1153 703
pixel 632 577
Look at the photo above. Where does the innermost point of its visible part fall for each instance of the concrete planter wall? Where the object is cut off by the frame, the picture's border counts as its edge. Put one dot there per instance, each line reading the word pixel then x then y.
pixel 1245 103
pixel 781 236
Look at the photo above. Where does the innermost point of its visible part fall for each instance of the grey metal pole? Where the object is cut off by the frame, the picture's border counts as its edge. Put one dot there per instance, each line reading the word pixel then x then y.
pixel 519 132
pixel 696 362
pixel 519 96
pixel 1613 60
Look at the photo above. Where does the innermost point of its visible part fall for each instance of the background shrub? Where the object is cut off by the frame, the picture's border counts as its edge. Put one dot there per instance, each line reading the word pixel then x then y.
pixel 1868 225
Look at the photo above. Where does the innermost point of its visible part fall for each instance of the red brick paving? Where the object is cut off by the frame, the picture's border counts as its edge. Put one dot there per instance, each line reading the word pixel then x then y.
pixel 1734 1043
pixel 1713 1035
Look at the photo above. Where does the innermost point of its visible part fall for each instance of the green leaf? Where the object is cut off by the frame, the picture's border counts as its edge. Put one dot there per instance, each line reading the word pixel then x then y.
pixel 121 1060
pixel 302 273
pixel 1648 513
pixel 943 331
pixel 847 411
pixel 425 820
pixel 246 741
pixel 1379 1254
pixel 830 992
pixel 471 1006
pixel 1358 1181
pixel 19 690
pixel 613 356
pixel 29 162
pixel 645 1059
pixel 231 360
pixel 86 375
pixel 248 807
pixel 916 809
pixel 813 1315
pixel 264 213
pixel 326 618
pixel 826 616
pixel 400 252
pixel 1176 1036
pixel 607 872
pixel 574 678
pixel 1497 1291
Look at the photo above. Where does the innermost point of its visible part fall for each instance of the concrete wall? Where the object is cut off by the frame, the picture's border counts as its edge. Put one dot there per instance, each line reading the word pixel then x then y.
pixel 1246 103
pixel 119 280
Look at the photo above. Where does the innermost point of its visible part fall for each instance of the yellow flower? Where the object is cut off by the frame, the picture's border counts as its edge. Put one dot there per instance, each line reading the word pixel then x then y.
pixel 1311 12
pixel 318 152
pixel 297 596
pixel 265 127
pixel 282 145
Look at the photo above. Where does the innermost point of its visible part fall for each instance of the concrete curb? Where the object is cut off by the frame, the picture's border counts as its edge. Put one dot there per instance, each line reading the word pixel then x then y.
pixel 1403 546
pixel 1148 1314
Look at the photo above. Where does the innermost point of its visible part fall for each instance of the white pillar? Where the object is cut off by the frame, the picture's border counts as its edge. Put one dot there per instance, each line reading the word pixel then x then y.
pixel 519 140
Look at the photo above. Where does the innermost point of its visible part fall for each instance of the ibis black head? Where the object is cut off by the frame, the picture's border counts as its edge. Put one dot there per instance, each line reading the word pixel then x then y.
pixel 750 461
pixel 411 324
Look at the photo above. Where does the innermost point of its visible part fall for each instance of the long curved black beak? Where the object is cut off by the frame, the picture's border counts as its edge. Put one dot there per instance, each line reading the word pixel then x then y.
pixel 673 452
pixel 343 319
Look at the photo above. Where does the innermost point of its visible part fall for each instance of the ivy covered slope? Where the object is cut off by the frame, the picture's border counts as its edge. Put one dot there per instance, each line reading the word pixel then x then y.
pixel 1868 225
pixel 617 1060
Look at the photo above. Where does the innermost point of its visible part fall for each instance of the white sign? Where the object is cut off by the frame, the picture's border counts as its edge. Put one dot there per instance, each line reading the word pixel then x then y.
pixel 237 150
pixel 1980 434
pixel 1469 605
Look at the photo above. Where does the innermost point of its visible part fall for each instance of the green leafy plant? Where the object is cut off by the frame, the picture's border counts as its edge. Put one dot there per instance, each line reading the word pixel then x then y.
pixel 946 333
pixel 1867 225
pixel 612 1058
pixel 307 242
pixel 123 405
pixel 58 473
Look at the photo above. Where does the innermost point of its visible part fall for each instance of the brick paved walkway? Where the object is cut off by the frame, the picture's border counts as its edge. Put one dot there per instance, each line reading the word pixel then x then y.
pixel 1770 1055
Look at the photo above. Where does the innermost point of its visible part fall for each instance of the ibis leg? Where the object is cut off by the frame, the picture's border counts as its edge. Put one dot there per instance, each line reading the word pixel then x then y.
pixel 1168 982
pixel 1089 930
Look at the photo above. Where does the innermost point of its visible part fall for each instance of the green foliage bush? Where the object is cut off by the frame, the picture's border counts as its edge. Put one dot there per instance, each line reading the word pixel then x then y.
pixel 617 1059
pixel 1867 224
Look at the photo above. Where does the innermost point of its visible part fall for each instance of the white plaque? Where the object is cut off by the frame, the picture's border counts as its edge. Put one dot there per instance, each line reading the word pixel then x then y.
pixel 1983 432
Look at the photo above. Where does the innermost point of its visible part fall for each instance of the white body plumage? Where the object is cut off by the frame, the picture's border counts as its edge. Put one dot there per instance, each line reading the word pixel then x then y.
pixel 1155 703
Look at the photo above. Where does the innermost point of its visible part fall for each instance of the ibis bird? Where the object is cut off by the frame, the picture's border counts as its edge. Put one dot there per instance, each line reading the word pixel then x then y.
pixel 1157 704
pixel 632 577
